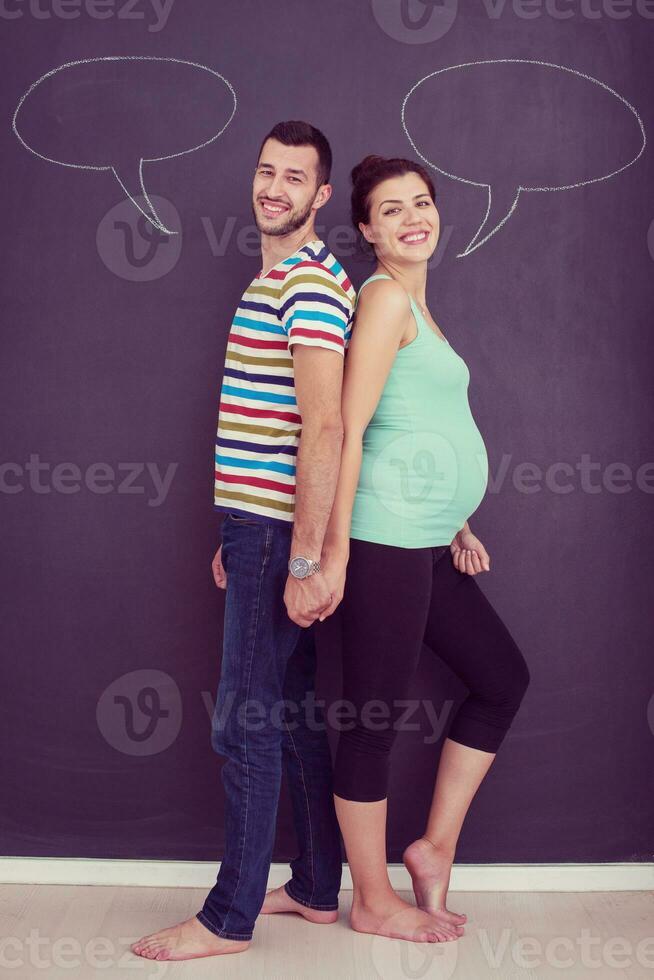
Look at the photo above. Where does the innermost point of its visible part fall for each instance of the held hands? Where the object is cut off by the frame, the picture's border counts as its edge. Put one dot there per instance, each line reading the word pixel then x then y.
pixel 317 596
pixel 306 598
pixel 468 554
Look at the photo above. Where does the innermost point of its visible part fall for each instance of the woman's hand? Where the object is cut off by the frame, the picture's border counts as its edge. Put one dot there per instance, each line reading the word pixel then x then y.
pixel 468 554
pixel 333 564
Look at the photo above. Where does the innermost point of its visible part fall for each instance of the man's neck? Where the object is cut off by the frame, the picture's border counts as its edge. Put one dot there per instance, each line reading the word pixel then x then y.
pixel 276 248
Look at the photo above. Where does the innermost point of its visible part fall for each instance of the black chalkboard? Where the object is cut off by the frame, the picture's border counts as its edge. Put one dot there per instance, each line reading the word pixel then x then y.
pixel 128 241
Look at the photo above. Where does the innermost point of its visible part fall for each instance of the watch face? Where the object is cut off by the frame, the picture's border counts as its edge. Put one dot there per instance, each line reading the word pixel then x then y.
pixel 299 567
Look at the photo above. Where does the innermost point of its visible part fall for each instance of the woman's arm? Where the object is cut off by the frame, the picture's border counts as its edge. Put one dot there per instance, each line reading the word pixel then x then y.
pixel 381 320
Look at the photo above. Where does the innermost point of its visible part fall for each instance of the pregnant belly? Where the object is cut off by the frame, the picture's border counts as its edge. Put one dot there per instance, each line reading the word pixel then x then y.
pixel 425 476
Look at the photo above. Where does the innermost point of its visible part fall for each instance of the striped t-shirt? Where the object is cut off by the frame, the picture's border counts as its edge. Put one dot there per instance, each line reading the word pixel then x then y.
pixel 304 299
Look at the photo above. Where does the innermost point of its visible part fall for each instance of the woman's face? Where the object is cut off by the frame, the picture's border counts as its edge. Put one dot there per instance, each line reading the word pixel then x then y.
pixel 403 225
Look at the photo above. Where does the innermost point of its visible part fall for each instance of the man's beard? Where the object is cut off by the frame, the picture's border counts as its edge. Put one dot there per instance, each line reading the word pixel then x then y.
pixel 294 220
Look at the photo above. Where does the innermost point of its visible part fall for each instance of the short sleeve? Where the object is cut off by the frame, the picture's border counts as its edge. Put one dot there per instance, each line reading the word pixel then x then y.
pixel 314 308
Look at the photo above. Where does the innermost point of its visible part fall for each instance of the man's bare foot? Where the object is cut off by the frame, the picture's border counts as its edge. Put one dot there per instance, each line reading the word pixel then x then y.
pixel 278 900
pixel 396 919
pixel 185 941
pixel 430 868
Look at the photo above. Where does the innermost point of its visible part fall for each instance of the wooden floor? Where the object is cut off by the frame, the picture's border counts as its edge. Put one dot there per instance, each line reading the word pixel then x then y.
pixel 68 931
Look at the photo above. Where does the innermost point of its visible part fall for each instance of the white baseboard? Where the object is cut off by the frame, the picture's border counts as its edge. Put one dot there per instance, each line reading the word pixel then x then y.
pixel 198 874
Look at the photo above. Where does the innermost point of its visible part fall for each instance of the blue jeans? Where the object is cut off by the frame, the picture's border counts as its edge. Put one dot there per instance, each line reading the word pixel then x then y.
pixel 265 713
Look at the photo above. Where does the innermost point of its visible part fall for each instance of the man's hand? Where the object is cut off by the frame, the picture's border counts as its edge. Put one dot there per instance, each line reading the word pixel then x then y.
pixel 219 573
pixel 305 598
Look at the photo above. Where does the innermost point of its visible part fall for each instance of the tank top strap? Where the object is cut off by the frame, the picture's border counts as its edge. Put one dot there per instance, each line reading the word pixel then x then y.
pixel 420 320
pixel 384 275
pixel 378 275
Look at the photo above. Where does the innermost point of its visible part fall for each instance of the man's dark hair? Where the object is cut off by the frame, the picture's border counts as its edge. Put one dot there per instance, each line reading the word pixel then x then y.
pixel 295 132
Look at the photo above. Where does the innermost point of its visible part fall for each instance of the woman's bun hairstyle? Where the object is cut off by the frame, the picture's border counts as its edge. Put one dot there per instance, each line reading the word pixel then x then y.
pixel 365 176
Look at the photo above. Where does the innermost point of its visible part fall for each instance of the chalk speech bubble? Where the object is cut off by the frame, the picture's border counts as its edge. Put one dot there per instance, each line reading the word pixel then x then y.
pixel 100 108
pixel 513 126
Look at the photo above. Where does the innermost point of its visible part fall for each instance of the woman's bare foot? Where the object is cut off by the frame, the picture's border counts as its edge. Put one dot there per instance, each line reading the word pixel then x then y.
pixel 185 941
pixel 278 900
pixel 395 918
pixel 430 867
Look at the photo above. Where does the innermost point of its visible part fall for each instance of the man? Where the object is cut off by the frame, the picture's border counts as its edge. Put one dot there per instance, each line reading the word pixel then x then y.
pixel 277 461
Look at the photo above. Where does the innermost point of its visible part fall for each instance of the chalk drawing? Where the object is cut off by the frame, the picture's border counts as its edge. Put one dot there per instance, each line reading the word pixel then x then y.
pixel 495 225
pixel 150 213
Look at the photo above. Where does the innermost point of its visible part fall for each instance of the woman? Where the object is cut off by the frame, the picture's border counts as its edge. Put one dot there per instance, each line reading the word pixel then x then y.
pixel 413 470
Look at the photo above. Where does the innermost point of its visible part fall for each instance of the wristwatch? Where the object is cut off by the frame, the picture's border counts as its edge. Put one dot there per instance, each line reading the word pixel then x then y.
pixel 300 567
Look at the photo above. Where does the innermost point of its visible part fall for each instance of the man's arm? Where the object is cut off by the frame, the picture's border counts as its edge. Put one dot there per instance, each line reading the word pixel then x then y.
pixel 315 314
pixel 318 382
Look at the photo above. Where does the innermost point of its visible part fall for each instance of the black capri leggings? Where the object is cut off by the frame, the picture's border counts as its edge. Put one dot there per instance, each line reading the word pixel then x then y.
pixel 395 600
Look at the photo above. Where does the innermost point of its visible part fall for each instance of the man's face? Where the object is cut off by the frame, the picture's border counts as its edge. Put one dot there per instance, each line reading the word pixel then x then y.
pixel 284 188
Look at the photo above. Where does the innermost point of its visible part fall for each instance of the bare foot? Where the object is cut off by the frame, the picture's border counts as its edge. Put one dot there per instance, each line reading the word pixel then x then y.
pixel 185 941
pixel 430 868
pixel 396 919
pixel 278 900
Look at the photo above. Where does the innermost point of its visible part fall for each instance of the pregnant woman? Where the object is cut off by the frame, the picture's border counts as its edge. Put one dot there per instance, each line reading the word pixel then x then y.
pixel 413 470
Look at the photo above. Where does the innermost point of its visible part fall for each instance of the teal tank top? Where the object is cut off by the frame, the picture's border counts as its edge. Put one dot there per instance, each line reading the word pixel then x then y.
pixel 424 467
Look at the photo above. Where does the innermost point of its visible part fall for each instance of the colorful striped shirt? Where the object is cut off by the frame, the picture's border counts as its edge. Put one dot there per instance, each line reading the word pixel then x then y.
pixel 306 298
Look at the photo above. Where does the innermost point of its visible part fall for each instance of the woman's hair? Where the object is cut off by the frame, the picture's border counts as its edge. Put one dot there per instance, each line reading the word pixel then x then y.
pixel 365 177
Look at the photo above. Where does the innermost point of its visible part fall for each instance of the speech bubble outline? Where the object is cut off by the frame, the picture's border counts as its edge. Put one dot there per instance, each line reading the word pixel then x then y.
pixel 474 244
pixel 153 218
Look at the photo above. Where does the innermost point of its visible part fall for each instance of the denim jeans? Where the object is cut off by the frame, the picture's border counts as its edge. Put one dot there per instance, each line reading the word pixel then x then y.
pixel 266 715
